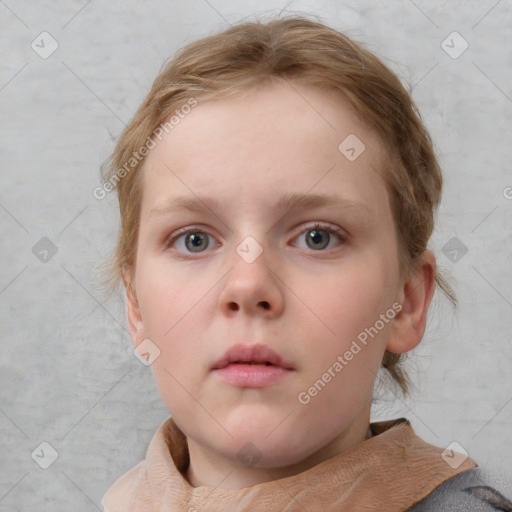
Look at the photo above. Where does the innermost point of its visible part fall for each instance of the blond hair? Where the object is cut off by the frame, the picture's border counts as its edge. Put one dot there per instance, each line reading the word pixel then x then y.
pixel 313 54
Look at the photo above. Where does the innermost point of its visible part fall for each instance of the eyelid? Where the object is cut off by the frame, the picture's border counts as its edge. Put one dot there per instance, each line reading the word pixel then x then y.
pixel 185 231
pixel 327 227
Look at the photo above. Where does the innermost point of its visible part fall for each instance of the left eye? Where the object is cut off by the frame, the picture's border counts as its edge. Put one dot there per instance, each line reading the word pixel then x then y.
pixel 318 237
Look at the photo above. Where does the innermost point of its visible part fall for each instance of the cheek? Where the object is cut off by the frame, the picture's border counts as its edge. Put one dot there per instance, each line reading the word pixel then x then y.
pixel 168 307
pixel 165 297
pixel 347 306
pixel 350 297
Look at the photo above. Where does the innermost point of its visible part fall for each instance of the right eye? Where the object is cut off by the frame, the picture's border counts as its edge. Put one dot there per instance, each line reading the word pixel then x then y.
pixel 190 240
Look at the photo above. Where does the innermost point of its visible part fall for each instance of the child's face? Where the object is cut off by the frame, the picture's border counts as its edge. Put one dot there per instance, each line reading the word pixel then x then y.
pixel 308 301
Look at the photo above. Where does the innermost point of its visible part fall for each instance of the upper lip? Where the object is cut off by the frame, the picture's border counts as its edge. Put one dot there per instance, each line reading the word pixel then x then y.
pixel 259 353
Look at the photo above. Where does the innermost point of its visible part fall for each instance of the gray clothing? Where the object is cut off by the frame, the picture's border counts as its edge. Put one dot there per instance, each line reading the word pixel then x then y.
pixel 475 490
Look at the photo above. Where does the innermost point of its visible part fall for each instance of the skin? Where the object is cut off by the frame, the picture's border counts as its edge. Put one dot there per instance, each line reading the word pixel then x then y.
pixel 307 303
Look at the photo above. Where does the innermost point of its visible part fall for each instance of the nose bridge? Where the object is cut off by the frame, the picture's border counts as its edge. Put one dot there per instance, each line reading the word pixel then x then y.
pixel 250 260
pixel 251 285
pixel 250 250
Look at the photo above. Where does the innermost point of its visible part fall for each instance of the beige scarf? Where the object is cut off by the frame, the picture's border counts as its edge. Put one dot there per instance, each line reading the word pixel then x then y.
pixel 388 472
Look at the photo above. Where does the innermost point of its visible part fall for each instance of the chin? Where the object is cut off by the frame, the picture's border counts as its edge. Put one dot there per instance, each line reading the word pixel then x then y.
pixel 266 445
pixel 256 421
pixel 278 454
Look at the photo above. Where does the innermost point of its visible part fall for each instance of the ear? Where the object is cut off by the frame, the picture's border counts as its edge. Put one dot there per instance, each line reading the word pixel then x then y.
pixel 416 295
pixel 133 314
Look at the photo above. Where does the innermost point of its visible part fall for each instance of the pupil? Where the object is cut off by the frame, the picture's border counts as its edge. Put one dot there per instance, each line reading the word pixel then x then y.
pixel 197 241
pixel 316 237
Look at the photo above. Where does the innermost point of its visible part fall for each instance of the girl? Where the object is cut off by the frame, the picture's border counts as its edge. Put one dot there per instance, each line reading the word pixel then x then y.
pixel 277 190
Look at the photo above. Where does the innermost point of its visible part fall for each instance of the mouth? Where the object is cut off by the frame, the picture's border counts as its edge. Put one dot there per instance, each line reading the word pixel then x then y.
pixel 251 366
pixel 258 354
pixel 253 362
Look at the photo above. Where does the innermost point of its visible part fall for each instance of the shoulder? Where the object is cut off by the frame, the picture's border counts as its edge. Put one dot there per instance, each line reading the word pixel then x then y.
pixel 474 490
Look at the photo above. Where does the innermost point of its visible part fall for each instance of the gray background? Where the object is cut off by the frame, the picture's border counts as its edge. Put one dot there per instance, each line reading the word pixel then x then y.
pixel 68 374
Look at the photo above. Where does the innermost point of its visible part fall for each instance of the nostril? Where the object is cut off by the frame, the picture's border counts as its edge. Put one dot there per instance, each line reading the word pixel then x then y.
pixel 265 304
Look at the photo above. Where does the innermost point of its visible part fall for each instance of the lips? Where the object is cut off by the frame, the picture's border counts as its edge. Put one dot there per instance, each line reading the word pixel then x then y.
pixel 258 354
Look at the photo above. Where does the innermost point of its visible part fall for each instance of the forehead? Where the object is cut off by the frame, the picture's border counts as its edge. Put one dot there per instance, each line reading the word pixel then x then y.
pixel 274 138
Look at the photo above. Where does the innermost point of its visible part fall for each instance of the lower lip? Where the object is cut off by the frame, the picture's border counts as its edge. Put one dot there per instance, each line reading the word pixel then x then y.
pixel 252 375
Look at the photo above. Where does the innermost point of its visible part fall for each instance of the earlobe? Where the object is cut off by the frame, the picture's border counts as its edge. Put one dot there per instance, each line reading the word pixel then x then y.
pixel 417 291
pixel 133 314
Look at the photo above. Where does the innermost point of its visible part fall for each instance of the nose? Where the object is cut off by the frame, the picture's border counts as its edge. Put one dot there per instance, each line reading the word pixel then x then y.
pixel 252 287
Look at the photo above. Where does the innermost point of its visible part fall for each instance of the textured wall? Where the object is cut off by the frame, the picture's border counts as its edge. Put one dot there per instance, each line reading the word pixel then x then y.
pixel 68 374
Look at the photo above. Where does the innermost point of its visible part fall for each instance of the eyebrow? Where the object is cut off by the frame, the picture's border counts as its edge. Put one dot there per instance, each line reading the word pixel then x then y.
pixel 287 202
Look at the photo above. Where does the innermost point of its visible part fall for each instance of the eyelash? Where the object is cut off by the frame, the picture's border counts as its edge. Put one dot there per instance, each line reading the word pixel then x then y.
pixel 341 234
